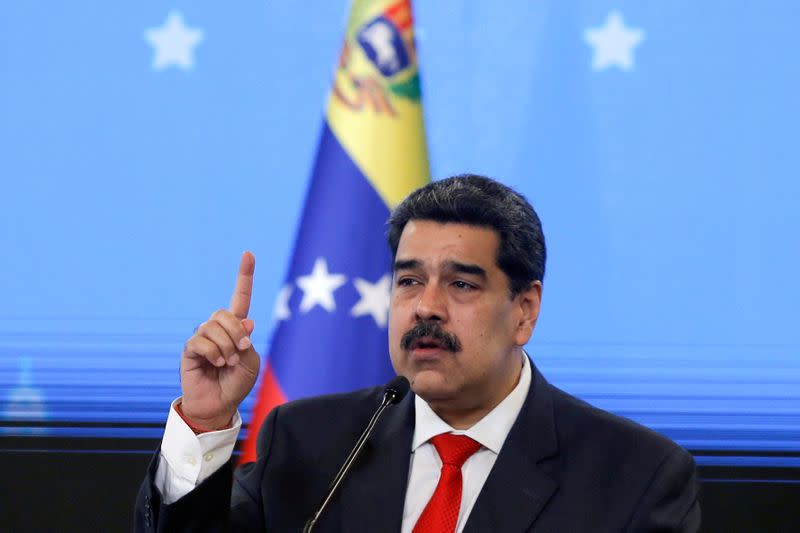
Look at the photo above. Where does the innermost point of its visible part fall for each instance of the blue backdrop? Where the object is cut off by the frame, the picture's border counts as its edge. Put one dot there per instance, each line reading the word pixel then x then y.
pixel 143 146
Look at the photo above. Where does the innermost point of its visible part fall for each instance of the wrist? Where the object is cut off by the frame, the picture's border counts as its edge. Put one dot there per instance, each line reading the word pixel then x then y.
pixel 204 425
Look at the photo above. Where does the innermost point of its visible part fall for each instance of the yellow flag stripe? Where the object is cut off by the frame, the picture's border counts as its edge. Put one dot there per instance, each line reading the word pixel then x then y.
pixel 378 119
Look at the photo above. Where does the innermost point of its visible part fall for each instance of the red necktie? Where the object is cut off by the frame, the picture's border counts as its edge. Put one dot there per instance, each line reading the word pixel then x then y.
pixel 441 513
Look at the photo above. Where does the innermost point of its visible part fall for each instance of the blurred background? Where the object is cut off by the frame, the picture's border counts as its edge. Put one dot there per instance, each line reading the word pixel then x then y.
pixel 144 146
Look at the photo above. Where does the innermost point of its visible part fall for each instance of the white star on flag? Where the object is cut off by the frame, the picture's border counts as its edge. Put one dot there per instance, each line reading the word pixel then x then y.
pixel 614 43
pixel 318 287
pixel 281 310
pixel 173 43
pixel 374 299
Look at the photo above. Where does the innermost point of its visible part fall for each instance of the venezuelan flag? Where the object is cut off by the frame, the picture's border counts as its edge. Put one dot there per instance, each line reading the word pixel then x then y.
pixel 332 311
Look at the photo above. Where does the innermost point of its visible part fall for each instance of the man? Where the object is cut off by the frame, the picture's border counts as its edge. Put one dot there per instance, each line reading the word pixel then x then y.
pixel 484 443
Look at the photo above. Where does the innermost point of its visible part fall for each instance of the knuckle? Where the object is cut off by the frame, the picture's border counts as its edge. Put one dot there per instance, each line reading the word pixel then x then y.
pixel 214 331
pixel 193 343
pixel 205 327
pixel 209 350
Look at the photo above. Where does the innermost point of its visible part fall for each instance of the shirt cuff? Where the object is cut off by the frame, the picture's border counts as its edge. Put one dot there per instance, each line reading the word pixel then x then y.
pixel 188 459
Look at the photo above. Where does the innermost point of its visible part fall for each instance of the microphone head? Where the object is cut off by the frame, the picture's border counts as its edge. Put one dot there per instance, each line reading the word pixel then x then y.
pixel 396 389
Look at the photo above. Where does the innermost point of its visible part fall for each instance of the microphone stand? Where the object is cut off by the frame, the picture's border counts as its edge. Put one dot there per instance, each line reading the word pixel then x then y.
pixel 390 396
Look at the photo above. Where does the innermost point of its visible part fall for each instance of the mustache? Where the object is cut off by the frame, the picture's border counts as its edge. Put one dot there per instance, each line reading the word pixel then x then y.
pixel 431 330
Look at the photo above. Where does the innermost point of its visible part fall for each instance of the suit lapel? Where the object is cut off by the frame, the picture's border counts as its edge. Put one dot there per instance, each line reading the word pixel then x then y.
pixel 373 496
pixel 519 487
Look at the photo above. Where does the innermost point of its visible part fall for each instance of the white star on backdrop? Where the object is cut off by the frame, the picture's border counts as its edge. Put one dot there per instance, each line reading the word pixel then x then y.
pixel 374 299
pixel 281 310
pixel 173 43
pixel 614 43
pixel 318 287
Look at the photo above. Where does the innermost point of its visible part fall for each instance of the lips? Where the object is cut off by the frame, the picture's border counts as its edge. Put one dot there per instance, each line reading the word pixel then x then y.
pixel 426 343
pixel 427 350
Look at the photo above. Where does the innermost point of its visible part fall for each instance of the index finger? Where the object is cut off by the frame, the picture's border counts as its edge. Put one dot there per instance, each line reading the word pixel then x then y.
pixel 240 301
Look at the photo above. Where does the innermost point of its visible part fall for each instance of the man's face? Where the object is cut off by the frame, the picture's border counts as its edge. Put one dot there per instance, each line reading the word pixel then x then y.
pixel 454 331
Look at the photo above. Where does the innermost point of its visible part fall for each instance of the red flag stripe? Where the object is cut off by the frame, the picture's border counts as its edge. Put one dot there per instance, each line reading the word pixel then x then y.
pixel 270 395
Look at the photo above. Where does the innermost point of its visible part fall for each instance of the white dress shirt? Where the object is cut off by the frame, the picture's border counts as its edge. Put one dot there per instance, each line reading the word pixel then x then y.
pixel 491 432
pixel 188 459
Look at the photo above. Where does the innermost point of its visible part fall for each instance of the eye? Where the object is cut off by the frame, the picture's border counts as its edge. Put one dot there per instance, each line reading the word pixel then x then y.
pixel 406 282
pixel 463 285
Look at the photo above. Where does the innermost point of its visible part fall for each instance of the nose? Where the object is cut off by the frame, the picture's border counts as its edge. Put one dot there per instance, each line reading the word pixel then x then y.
pixel 432 304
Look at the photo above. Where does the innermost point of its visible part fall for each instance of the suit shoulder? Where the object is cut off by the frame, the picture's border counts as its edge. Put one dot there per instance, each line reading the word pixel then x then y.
pixel 330 409
pixel 336 400
pixel 319 428
pixel 579 422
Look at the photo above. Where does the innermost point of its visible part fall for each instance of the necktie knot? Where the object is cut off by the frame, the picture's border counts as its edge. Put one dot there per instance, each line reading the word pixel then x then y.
pixel 454 450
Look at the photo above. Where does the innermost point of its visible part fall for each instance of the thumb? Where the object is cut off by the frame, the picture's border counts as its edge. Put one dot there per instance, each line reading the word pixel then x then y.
pixel 249 325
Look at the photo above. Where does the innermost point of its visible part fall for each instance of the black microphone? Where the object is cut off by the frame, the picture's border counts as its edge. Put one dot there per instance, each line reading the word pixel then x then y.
pixel 394 391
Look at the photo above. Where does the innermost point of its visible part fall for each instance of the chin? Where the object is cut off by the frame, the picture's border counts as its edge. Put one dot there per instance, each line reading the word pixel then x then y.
pixel 430 386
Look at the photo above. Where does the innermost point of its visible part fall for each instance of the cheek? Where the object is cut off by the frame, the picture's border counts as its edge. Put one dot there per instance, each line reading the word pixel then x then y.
pixel 395 352
pixel 394 335
pixel 395 320
pixel 486 329
pixel 399 323
pixel 471 330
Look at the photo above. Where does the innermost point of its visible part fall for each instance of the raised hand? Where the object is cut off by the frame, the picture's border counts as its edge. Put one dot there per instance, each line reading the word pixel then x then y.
pixel 219 365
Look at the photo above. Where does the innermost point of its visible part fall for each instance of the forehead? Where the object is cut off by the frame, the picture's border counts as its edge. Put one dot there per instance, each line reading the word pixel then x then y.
pixel 434 242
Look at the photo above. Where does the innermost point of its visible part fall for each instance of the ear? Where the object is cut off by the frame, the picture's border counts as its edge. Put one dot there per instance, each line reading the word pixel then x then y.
pixel 529 302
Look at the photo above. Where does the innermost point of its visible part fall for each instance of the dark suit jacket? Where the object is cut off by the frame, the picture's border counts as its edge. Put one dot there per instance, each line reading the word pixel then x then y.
pixel 565 467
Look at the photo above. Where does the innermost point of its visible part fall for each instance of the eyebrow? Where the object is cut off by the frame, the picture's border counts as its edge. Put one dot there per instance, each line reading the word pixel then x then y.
pixel 464 268
pixel 406 264
pixel 455 266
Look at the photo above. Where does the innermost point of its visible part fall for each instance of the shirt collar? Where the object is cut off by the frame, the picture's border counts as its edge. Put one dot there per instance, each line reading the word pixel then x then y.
pixel 490 431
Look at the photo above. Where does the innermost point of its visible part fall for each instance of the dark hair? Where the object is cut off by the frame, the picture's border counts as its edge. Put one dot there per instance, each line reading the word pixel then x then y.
pixel 480 201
